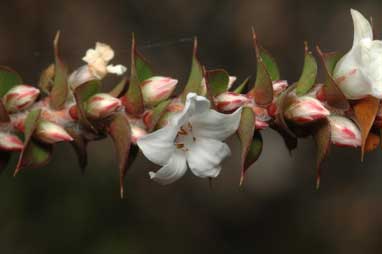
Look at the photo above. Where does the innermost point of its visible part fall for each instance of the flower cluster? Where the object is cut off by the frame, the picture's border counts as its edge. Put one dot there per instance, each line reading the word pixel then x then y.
pixel 185 130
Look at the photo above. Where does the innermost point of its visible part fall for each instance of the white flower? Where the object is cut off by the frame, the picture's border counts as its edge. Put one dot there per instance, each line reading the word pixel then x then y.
pixel 359 72
pixel 97 67
pixel 192 137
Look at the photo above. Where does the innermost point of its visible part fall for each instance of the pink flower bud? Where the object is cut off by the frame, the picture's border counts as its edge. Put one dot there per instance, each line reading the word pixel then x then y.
pixel 229 101
pixel 20 97
pixel 344 132
pixel 10 142
pixel 157 89
pixel 102 105
pixel 279 86
pixel 306 109
pixel 51 133
pixel 136 133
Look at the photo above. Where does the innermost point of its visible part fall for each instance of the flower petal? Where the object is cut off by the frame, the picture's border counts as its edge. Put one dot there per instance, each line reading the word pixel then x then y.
pixel 104 51
pixel 116 69
pixel 362 27
pixel 205 156
pixel 159 145
pixel 194 105
pixel 173 170
pixel 215 125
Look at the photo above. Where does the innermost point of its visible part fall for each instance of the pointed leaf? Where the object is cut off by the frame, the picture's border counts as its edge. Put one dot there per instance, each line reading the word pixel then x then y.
pixel 270 64
pixel 308 75
pixel 242 86
pixel 34 154
pixel 134 99
pixel 60 87
pixel 8 79
pixel 82 93
pixel 46 79
pixel 282 104
pixel 119 130
pixel 372 142
pixel 334 95
pixel 322 137
pixel 246 133
pixel 263 89
pixel 217 81
pixel 79 144
pixel 157 113
pixel 144 70
pixel 119 88
pixel 365 111
pixel 289 141
pixel 196 75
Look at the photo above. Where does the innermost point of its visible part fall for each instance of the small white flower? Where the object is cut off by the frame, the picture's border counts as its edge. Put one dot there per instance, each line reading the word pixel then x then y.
pixel 359 72
pixel 97 67
pixel 192 137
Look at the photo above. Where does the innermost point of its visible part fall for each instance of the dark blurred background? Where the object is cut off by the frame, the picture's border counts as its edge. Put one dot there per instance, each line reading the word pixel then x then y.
pixel 57 210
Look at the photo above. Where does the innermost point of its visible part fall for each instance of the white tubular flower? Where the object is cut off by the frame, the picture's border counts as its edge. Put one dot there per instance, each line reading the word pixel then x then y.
pixel 359 72
pixel 10 142
pixel 192 137
pixel 344 132
pixel 97 67
pixel 306 109
pixel 157 89
pixel 20 97
pixel 102 105
pixel 50 133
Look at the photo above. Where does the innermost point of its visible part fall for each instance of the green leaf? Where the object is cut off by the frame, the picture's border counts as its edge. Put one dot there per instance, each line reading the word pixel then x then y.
pixel 254 150
pixel 60 87
pixel 8 79
pixel 4 117
pixel 242 86
pixel 246 132
pixel 263 89
pixel 34 154
pixel 82 93
pixel 217 81
pixel 119 88
pixel 119 130
pixel 157 113
pixel 79 145
pixel 196 75
pixel 322 137
pixel 270 64
pixel 134 101
pixel 144 70
pixel 334 95
pixel 282 103
pixel 309 73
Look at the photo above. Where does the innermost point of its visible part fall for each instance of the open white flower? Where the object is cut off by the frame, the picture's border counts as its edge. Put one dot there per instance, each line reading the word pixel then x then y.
pixel 192 137
pixel 97 67
pixel 359 72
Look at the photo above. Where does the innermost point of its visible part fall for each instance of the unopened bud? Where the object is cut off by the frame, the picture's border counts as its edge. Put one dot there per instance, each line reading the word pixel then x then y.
pixel 49 132
pixel 20 97
pixel 306 109
pixel 102 105
pixel 229 101
pixel 279 86
pixel 10 142
pixel 157 89
pixel 344 132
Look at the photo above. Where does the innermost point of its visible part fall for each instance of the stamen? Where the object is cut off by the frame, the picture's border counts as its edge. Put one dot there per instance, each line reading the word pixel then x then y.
pixel 182 131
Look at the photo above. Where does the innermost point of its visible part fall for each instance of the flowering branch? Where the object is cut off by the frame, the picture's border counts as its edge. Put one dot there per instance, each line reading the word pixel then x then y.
pixel 187 130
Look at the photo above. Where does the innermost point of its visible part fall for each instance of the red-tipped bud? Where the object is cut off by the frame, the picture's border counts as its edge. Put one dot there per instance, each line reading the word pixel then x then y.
pixel 102 105
pixel 10 142
pixel 20 97
pixel 279 86
pixel 229 101
pixel 306 109
pixel 49 132
pixel 344 132
pixel 73 112
pixel 157 89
